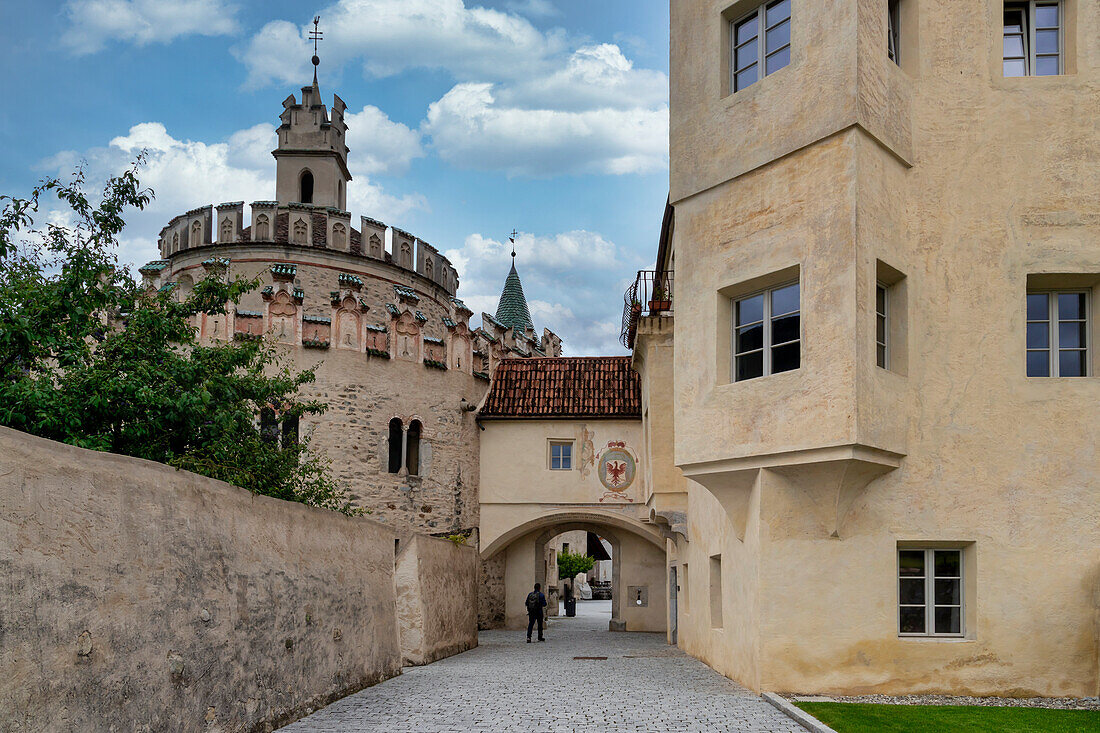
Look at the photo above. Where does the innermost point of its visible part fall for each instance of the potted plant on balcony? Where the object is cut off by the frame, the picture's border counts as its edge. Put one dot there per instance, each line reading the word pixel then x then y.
pixel 659 301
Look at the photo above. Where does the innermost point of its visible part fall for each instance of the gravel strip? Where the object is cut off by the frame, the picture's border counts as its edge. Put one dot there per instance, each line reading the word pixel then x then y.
pixel 1060 703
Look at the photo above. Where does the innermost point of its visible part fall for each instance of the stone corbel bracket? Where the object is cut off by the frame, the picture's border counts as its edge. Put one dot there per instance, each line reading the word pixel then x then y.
pixel 673 525
pixel 837 474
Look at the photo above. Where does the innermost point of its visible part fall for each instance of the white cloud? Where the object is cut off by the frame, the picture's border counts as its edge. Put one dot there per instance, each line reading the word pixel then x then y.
pixel 389 36
pixel 469 129
pixel 380 145
pixel 186 174
pixel 141 22
pixel 579 263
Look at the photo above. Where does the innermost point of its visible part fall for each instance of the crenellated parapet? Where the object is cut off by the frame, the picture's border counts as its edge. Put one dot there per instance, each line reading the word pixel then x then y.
pixel 310 226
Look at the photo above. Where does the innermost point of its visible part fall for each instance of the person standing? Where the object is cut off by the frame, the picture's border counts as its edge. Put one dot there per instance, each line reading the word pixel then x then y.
pixel 535 602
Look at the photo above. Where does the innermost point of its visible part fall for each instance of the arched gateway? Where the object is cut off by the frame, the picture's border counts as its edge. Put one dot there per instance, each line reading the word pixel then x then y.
pixel 562 451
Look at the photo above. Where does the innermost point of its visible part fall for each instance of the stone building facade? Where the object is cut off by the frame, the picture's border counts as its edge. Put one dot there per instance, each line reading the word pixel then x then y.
pixel 873 409
pixel 372 307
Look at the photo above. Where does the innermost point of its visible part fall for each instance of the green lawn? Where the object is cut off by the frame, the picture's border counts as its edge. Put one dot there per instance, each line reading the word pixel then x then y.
pixel 859 717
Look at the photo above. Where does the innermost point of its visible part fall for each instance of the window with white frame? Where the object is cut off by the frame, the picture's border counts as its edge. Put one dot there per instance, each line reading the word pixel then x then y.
pixel 1058 333
pixel 561 455
pixel 760 43
pixel 882 331
pixel 930 592
pixel 1033 38
pixel 767 333
pixel 893 30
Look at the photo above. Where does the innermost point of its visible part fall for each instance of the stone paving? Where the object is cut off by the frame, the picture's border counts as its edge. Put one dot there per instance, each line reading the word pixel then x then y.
pixel 508 685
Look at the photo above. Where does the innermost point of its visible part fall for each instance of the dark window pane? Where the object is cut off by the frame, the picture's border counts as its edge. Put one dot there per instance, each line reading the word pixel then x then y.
pixel 911 619
pixel 747 77
pixel 947 563
pixel 1046 66
pixel 948 621
pixel 882 356
pixel 880 329
pixel 785 300
pixel 1070 306
pixel 1038 307
pixel 778 12
pixel 911 562
pixel 880 299
pixel 1015 68
pixel 1038 335
pixel 1046 41
pixel 750 338
pixel 785 329
pixel 1046 16
pixel 1038 363
pixel 948 592
pixel 786 358
pixel 781 36
pixel 1014 47
pixel 746 30
pixel 1071 363
pixel 747 55
pixel 1071 335
pixel 750 366
pixel 777 61
pixel 911 591
pixel 750 310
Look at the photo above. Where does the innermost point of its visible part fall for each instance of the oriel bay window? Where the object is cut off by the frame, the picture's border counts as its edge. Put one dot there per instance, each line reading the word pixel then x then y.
pixel 1058 333
pixel 767 333
pixel 1033 38
pixel 930 592
pixel 760 43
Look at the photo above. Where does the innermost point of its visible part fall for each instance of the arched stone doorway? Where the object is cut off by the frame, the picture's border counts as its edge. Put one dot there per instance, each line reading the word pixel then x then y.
pixel 517 558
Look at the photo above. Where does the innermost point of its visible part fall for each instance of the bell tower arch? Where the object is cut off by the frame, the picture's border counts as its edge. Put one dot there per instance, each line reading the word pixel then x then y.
pixel 312 156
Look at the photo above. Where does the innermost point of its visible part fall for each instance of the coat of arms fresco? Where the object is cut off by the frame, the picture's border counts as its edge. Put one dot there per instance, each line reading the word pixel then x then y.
pixel 617 467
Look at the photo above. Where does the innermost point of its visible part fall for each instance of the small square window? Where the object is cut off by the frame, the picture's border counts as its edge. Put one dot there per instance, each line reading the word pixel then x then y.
pixel 767 333
pixel 561 455
pixel 1057 338
pixel 1033 38
pixel 930 592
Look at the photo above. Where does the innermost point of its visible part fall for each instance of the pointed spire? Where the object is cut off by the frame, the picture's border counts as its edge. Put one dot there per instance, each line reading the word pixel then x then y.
pixel 512 309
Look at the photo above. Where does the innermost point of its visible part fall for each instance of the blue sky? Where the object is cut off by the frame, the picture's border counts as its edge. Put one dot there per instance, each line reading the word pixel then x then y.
pixel 549 116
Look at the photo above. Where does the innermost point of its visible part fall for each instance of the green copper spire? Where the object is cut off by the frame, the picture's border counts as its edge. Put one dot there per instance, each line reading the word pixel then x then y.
pixel 512 309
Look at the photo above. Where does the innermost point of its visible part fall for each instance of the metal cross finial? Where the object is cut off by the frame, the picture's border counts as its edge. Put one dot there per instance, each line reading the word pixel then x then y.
pixel 316 35
pixel 512 239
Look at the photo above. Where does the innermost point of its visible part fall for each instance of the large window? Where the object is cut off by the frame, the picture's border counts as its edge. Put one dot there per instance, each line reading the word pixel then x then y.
pixel 396 445
pixel 561 455
pixel 930 592
pixel 760 43
pixel 767 333
pixel 1057 333
pixel 1033 38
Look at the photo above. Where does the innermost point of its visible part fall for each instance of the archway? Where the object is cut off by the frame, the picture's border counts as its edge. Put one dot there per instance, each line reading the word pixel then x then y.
pixel 520 557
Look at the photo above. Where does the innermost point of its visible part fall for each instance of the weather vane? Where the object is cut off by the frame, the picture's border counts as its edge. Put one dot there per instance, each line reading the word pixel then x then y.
pixel 512 239
pixel 316 35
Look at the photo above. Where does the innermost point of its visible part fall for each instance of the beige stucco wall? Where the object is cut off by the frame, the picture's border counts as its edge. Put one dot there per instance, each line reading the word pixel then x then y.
pixel 141 597
pixel 436 598
pixel 966 183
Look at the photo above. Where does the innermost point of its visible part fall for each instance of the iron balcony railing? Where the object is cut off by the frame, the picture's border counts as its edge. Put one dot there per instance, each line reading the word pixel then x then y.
pixel 650 295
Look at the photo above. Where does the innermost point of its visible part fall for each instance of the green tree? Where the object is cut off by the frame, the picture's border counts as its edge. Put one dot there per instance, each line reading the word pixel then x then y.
pixel 91 358
pixel 571 563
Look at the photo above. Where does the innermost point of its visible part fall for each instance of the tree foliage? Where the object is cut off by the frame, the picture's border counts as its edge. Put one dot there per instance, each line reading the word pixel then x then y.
pixel 571 563
pixel 91 358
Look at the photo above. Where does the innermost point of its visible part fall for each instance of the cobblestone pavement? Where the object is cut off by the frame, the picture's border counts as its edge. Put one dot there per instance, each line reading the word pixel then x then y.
pixel 506 684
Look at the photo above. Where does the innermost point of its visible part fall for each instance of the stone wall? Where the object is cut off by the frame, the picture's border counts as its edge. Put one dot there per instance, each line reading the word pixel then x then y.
pixel 491 592
pixel 436 598
pixel 138 597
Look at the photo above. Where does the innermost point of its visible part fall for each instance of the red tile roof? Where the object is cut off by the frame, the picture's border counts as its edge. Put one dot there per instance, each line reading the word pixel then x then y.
pixel 565 387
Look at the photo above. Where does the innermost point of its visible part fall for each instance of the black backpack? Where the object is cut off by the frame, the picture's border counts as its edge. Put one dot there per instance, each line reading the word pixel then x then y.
pixel 534 602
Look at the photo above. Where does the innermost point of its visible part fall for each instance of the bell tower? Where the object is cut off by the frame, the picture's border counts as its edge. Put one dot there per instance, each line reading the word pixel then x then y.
pixel 312 157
